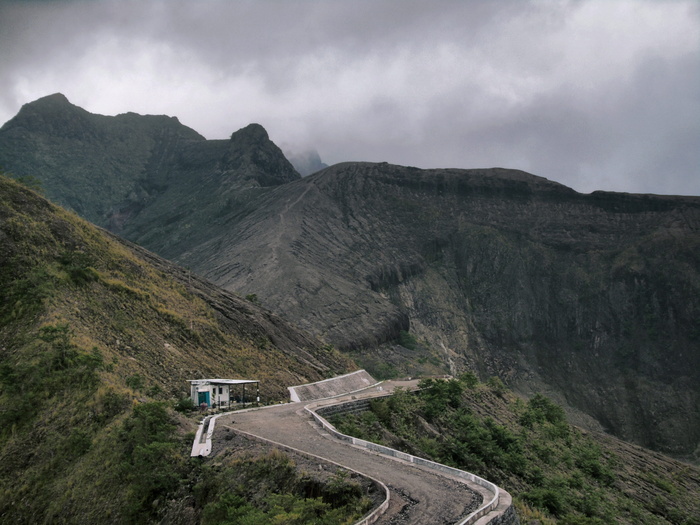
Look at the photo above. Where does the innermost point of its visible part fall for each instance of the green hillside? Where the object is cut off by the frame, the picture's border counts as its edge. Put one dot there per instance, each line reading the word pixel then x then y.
pixel 557 473
pixel 97 340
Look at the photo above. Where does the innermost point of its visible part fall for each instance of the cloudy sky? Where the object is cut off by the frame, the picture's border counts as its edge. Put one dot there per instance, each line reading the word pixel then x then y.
pixel 600 94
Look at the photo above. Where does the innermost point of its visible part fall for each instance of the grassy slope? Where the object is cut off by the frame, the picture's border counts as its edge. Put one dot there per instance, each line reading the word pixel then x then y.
pixel 96 342
pixel 556 473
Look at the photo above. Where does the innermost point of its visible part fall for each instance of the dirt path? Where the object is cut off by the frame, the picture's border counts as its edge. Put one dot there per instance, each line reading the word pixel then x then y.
pixel 418 496
pixel 276 243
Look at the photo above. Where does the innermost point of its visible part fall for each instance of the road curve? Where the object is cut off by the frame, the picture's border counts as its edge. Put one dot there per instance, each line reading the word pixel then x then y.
pixel 418 496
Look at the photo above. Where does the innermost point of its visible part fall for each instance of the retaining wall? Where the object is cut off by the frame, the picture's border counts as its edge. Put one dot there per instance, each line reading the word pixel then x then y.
pixel 335 386
pixel 349 407
pixel 507 517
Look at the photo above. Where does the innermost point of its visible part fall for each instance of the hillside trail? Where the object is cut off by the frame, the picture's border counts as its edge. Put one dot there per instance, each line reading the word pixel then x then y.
pixel 417 495
pixel 275 244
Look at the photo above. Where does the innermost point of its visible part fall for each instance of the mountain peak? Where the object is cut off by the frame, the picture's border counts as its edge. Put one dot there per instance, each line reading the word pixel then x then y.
pixel 251 149
pixel 59 98
pixel 306 162
pixel 52 114
pixel 57 103
pixel 254 132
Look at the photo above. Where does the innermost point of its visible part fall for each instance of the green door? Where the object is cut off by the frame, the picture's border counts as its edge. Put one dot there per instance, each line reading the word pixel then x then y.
pixel 203 398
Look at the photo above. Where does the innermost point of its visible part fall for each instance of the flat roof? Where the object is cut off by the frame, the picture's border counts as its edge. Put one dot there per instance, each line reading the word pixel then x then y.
pixel 222 381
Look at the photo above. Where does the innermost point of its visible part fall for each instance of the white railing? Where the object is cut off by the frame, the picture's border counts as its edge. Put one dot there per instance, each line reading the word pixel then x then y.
pixel 432 465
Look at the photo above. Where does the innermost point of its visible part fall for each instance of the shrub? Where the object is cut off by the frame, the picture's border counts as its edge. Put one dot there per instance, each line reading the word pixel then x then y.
pixel 496 385
pixel 135 382
pixel 546 498
pixel 439 394
pixel 469 379
pixel 542 411
pixel 267 489
pixel 23 297
pixel 407 340
pixel 151 464
pixel 184 404
pixel 31 182
pixel 588 459
pixel 79 267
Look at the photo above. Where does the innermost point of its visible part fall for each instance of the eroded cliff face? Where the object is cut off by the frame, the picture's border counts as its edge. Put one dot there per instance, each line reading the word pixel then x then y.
pixel 613 340
pixel 592 298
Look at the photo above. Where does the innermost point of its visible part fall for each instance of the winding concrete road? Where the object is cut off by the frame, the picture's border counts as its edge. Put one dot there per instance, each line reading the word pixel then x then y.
pixel 418 496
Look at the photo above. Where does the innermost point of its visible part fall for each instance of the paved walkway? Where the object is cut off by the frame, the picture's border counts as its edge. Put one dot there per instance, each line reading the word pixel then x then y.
pixel 418 496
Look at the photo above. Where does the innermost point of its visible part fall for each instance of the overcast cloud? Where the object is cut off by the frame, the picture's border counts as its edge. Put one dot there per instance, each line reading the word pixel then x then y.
pixel 593 94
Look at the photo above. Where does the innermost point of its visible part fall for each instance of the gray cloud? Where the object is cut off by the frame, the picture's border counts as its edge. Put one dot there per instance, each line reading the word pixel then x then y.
pixel 592 94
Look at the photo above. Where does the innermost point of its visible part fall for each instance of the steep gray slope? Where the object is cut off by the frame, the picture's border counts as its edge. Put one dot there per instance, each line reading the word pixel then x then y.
pixel 594 298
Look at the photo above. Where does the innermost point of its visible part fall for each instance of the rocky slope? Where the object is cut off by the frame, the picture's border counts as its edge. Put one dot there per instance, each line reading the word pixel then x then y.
pixel 593 299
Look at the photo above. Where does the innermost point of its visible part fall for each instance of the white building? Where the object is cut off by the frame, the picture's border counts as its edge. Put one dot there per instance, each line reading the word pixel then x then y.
pixel 224 392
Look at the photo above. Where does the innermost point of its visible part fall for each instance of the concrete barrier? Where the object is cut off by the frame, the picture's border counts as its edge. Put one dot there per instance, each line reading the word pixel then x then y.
pixel 202 439
pixel 501 500
pixel 335 386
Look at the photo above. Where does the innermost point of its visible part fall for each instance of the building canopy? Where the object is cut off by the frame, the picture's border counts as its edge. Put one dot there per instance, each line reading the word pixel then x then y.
pixel 222 381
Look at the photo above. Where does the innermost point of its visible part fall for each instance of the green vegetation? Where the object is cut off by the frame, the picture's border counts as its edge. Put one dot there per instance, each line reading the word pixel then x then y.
pixel 96 344
pixel 55 413
pixel 152 460
pixel 258 488
pixel 31 182
pixel 135 382
pixel 57 369
pixel 270 489
pixel 383 371
pixel 407 340
pixel 556 473
pixel 253 298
